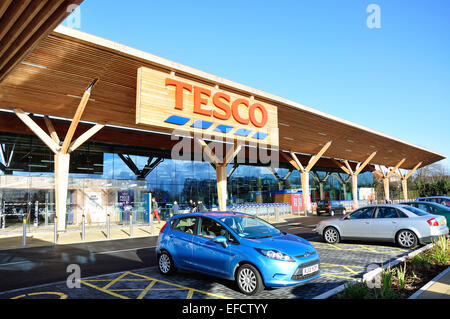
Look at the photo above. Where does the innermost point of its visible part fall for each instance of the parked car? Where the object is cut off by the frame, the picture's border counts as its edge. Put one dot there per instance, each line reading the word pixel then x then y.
pixel 330 207
pixel 236 246
pixel 443 200
pixel 432 208
pixel 405 225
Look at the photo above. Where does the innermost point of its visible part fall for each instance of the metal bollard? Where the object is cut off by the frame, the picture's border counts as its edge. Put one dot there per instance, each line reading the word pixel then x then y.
pixel 83 227
pixel 3 221
pixel 24 222
pixel 108 226
pixel 55 230
pixel 277 213
pixel 151 223
pixel 36 214
pixel 131 224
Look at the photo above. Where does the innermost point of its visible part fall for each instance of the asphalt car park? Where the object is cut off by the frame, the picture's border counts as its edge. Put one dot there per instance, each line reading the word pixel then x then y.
pixel 340 263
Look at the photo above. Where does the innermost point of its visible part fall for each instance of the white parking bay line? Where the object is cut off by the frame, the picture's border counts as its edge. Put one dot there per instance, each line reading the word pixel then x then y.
pixel 122 250
pixel 15 263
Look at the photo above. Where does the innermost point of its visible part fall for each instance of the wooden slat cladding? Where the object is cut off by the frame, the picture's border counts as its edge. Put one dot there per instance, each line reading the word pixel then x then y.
pixel 23 24
pixel 62 66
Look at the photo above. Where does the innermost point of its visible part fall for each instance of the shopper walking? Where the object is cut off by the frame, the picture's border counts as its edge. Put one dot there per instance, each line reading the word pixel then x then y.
pixel 192 206
pixel 175 208
pixel 155 210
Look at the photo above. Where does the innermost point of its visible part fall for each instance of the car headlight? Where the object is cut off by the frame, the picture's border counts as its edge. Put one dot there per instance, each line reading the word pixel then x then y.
pixel 275 254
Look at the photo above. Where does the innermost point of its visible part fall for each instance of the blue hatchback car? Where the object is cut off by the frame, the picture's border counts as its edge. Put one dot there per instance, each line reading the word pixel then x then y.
pixel 238 247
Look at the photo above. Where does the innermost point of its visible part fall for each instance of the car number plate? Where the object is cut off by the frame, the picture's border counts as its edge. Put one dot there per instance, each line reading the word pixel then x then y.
pixel 310 269
pixel 443 222
pixel 322 211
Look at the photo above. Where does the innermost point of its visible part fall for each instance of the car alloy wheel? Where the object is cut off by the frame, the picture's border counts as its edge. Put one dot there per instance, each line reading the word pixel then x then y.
pixel 331 235
pixel 165 263
pixel 249 280
pixel 407 239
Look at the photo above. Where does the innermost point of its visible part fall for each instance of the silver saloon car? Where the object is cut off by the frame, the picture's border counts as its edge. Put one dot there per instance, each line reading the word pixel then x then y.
pixel 407 226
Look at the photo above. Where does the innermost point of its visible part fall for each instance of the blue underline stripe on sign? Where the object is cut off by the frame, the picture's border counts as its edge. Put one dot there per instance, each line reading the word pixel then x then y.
pixel 223 128
pixel 178 120
pixel 242 132
pixel 260 135
pixel 202 124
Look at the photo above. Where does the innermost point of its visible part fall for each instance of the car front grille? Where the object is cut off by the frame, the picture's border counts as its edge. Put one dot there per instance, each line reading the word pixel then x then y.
pixel 298 274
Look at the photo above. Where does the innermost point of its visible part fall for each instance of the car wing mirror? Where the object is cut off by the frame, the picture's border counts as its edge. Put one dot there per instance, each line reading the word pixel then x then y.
pixel 221 240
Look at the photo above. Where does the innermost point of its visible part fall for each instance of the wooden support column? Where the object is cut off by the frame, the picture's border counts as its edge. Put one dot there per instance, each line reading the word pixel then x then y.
pixel 221 169
pixel 304 172
pixel 281 181
pixel 343 181
pixel 354 174
pixel 62 153
pixel 62 162
pixel 222 188
pixel 386 177
pixel 404 179
pixel 321 182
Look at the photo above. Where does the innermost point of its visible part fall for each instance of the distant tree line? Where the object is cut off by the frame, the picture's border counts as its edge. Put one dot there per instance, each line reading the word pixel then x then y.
pixel 432 180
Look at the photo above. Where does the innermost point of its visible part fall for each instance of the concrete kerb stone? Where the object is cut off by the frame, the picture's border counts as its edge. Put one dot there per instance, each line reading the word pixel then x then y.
pixel 369 276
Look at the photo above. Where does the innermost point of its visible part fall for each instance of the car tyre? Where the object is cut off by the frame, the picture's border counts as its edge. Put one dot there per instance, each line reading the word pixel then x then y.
pixel 331 235
pixel 165 263
pixel 249 280
pixel 407 239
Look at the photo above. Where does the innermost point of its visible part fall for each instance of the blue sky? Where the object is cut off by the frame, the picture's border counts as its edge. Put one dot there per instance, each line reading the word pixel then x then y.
pixel 395 79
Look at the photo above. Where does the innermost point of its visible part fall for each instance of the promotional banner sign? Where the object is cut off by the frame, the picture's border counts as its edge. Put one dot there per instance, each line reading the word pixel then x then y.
pixel 168 102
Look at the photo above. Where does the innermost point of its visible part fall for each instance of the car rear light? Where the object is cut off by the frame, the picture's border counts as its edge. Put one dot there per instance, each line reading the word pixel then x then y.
pixel 433 222
pixel 329 206
pixel 162 229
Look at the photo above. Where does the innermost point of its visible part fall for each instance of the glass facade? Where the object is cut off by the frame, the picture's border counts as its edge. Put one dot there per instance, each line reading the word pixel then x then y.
pixel 101 182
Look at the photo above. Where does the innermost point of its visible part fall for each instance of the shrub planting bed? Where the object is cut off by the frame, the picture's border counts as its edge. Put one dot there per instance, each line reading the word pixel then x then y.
pixel 403 280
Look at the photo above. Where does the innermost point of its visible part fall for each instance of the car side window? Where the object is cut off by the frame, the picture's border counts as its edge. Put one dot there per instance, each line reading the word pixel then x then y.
pixel 363 213
pixel 209 228
pixel 185 225
pixel 386 212
pixel 424 207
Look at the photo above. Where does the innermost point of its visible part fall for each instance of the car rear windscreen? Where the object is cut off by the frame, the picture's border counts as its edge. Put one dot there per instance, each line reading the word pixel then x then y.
pixel 416 211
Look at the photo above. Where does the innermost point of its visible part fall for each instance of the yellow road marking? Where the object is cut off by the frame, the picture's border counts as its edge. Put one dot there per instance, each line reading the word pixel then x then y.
pixel 190 293
pixel 60 294
pixel 337 276
pixel 144 292
pixel 180 286
pixel 104 290
pixel 116 280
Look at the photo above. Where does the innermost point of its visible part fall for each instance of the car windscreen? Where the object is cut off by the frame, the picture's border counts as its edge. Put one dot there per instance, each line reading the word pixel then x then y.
pixel 416 211
pixel 250 227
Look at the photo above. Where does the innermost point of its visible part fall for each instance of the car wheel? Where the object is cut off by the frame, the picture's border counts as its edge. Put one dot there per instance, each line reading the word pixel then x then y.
pixel 165 263
pixel 249 280
pixel 407 239
pixel 331 235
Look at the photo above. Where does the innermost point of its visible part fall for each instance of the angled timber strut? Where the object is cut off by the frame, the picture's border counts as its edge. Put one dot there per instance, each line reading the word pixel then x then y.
pixel 281 180
pixel 304 172
pixel 220 166
pixel 62 149
pixel 141 174
pixel 345 166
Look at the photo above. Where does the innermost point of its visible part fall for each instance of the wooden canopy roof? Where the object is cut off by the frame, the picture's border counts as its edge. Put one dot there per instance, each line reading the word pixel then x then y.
pixel 53 76
pixel 24 23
